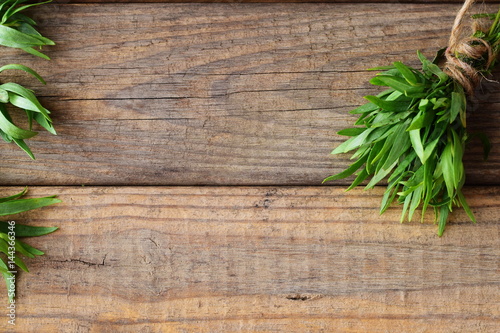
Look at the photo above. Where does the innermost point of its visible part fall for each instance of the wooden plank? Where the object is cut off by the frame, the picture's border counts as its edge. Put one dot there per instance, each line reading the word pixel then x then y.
pixel 219 94
pixel 270 259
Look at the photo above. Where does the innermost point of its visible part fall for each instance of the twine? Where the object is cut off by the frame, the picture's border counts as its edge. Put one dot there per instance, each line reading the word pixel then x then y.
pixel 471 48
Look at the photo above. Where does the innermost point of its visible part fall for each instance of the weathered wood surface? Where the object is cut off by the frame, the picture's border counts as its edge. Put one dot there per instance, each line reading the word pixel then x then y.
pixel 257 259
pixel 237 94
pixel 221 94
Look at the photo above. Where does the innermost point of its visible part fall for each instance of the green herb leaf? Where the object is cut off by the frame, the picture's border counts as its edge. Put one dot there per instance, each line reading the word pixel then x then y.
pixel 393 106
pixel 23 68
pixel 349 171
pixel 407 73
pixel 22 205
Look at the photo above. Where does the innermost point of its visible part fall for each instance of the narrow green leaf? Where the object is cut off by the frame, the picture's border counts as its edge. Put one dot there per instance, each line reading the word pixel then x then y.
pixel 26 230
pixel 25 19
pixel 443 218
pixel 415 202
pixel 374 151
pixel 416 142
pixel 18 248
pixel 463 102
pixel 12 10
pixel 42 120
pixel 7 277
pixel 368 107
pixel 360 152
pixel 458 167
pixel 29 115
pixel 24 103
pixel 13 197
pixel 432 69
pixel 381 174
pixel 389 118
pixel 349 171
pixel 390 193
pixel 465 206
pixel 9 10
pixel 21 144
pixel 393 106
pixel 34 52
pixel 4 96
pixel 406 204
pixel 408 159
pixel 396 83
pixel 401 144
pixel 20 263
pixel 379 134
pixel 12 130
pixel 31 249
pixel 385 148
pixel 456 106
pixel 359 179
pixel 423 119
pixel 4 247
pixel 406 72
pixel 448 170
pixel 23 68
pixel 427 184
pixel 429 149
pixel 440 102
pixel 22 205
pixel 12 38
pixel 7 138
pixel 25 93
pixel 351 131
pixel 352 143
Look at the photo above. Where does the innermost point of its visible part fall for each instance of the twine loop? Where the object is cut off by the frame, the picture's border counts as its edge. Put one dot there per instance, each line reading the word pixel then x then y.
pixel 463 53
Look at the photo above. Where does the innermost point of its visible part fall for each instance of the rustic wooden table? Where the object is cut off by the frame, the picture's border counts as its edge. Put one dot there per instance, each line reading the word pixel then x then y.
pixel 192 142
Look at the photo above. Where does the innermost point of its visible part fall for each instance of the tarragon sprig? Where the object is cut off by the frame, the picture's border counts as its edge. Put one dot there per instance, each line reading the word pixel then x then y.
pixel 18 31
pixel 413 134
pixel 10 232
pixel 25 99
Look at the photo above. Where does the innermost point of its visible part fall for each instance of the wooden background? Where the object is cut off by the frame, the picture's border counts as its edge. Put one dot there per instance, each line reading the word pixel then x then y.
pixel 192 142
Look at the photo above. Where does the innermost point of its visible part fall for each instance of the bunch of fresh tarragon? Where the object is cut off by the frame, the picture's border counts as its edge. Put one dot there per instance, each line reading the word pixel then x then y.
pixel 18 31
pixel 413 134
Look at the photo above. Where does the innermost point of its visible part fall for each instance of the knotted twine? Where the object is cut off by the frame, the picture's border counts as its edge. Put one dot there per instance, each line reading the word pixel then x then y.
pixel 463 51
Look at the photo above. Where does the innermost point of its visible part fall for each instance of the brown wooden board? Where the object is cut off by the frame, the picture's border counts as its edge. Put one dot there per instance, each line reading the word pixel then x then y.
pixel 235 95
pixel 220 94
pixel 255 259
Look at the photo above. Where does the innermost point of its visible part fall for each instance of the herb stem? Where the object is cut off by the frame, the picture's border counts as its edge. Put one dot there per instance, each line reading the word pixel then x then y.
pixel 495 23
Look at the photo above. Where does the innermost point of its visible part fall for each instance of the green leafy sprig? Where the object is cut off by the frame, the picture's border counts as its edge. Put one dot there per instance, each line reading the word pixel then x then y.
pixel 10 233
pixel 413 134
pixel 25 99
pixel 18 31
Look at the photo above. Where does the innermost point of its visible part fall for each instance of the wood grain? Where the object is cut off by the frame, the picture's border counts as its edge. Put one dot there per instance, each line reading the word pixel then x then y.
pixel 219 94
pixel 259 259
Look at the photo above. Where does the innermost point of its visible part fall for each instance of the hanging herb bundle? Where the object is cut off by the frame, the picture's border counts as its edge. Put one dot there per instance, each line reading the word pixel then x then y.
pixel 18 31
pixel 414 133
